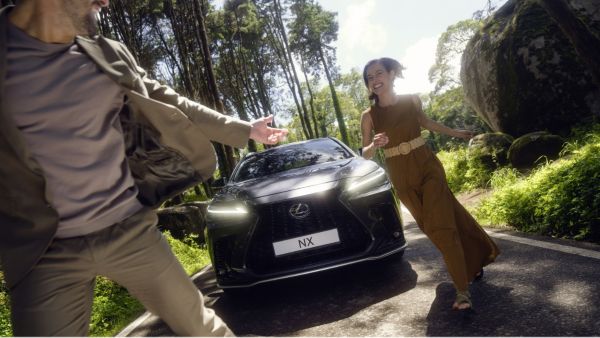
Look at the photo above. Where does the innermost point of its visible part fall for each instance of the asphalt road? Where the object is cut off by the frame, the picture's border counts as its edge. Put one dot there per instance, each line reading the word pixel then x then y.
pixel 537 287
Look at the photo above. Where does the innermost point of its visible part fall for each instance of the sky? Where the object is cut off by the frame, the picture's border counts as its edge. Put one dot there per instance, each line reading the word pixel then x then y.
pixel 406 30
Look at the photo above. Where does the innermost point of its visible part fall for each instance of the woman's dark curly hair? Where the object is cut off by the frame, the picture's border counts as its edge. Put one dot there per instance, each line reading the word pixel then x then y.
pixel 389 64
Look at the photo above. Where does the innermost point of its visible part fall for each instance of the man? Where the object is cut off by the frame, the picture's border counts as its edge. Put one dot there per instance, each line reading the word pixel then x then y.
pixel 89 144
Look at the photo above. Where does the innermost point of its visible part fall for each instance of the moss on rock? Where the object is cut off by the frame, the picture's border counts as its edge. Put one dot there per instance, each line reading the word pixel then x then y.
pixel 530 149
pixel 491 149
pixel 522 74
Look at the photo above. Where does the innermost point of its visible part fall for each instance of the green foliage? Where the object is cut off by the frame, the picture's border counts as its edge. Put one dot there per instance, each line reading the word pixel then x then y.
pixel 192 256
pixel 451 45
pixel 191 195
pixel 113 307
pixel 194 194
pixel 353 98
pixel 352 84
pixel 463 172
pixel 5 327
pixel 504 177
pixel 560 198
pixel 450 109
pixel 312 29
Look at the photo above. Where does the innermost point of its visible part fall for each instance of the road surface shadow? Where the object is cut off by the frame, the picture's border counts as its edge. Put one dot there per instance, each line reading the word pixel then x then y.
pixel 279 309
pixel 502 311
pixel 284 307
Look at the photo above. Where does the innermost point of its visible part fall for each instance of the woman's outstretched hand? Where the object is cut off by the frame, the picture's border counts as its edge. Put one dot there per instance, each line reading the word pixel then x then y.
pixel 464 134
pixel 260 131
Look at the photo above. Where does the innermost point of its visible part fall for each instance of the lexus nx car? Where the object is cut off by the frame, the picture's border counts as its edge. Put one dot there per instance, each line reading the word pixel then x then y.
pixel 301 208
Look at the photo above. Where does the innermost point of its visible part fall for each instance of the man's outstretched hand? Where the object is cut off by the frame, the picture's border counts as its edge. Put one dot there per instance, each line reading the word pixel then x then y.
pixel 263 133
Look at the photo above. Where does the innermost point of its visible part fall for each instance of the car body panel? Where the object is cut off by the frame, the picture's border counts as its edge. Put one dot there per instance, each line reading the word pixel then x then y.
pixel 250 214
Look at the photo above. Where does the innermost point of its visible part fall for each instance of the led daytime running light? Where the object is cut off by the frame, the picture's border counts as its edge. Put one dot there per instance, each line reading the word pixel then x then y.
pixel 236 210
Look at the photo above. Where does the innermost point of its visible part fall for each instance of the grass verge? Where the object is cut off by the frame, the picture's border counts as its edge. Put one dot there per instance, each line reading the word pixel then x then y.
pixel 559 199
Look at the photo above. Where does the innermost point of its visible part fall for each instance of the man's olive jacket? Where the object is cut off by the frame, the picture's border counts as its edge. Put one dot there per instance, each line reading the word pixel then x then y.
pixel 168 148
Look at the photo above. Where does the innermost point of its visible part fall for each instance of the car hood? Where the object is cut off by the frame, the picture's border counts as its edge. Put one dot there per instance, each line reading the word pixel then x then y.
pixel 296 179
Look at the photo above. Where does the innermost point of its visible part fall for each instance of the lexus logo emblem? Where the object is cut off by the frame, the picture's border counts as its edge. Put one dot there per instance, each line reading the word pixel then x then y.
pixel 299 210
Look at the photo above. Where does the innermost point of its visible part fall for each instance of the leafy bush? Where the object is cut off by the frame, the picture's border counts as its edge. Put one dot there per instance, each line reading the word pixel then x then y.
pixel 113 307
pixel 192 256
pixel 463 172
pixel 450 109
pixel 5 328
pixel 560 198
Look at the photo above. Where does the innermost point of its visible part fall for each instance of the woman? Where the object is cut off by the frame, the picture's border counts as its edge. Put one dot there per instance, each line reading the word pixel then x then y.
pixel 419 178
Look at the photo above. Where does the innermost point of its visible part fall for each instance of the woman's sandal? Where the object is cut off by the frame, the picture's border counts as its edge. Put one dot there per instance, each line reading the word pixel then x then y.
pixel 463 301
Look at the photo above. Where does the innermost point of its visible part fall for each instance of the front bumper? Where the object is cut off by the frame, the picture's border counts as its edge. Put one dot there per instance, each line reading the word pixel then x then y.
pixel 369 227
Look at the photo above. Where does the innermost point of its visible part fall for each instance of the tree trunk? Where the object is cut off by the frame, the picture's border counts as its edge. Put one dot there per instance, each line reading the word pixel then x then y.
pixel 282 55
pixel 293 68
pixel 336 103
pixel 227 150
pixel 180 40
pixel 262 91
pixel 311 101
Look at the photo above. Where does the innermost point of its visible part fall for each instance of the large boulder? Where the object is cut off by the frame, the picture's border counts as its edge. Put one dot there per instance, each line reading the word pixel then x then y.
pixel 534 148
pixel 491 149
pixel 184 220
pixel 520 73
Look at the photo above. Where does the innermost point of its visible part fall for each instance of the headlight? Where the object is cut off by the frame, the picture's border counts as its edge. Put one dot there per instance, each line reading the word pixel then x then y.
pixel 373 179
pixel 227 210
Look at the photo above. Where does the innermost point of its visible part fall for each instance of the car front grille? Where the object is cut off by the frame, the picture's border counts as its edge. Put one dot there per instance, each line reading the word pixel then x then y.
pixel 276 224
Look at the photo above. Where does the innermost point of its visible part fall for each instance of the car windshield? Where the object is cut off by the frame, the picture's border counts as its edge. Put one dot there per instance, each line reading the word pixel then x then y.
pixel 288 157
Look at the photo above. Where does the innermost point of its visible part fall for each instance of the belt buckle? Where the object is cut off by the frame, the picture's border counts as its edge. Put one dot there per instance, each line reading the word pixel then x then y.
pixel 404 148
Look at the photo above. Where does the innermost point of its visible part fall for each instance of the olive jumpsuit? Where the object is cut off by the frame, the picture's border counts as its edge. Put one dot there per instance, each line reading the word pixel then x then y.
pixel 420 183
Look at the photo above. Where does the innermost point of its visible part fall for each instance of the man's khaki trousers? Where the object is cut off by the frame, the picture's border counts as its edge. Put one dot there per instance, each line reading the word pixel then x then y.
pixel 55 298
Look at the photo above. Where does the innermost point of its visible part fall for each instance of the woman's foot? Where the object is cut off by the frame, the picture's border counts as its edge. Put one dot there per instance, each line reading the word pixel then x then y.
pixel 479 275
pixel 462 301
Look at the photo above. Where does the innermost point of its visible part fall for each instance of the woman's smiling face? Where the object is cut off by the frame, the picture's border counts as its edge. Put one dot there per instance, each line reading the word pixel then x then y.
pixel 379 79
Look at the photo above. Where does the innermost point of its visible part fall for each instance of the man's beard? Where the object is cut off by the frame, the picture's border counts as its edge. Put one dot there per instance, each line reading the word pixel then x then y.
pixel 87 25
pixel 91 24
pixel 84 25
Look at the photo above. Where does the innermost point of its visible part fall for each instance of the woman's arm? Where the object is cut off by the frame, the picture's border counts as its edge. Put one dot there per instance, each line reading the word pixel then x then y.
pixel 366 127
pixel 370 144
pixel 437 127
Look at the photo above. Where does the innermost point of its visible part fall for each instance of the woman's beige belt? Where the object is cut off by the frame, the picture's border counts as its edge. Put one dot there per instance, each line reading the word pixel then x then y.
pixel 404 148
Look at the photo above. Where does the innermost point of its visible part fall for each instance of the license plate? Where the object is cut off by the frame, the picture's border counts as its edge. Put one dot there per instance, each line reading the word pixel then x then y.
pixel 306 242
